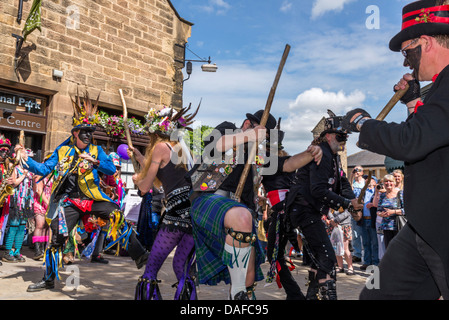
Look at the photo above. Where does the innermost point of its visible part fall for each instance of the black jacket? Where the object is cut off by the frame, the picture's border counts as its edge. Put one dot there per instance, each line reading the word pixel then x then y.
pixel 422 142
pixel 322 186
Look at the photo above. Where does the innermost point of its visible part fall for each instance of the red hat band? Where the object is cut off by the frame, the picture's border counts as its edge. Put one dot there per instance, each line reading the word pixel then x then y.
pixel 438 14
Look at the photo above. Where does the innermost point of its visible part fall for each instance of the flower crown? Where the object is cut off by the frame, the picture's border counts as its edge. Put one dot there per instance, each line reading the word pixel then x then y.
pixel 4 141
pixel 85 113
pixel 166 120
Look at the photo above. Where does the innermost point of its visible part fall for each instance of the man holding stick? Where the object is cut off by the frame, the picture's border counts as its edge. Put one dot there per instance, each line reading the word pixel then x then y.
pixel 227 248
pixel 416 263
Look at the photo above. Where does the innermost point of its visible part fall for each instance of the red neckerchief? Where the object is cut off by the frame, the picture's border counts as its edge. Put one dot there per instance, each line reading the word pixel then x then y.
pixel 420 103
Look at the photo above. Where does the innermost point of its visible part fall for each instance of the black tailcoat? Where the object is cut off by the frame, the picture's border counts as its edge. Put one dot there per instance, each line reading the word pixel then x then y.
pixel 322 186
pixel 422 142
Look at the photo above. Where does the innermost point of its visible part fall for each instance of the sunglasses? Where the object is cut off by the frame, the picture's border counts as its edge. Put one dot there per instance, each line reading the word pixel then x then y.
pixel 404 51
pixel 341 137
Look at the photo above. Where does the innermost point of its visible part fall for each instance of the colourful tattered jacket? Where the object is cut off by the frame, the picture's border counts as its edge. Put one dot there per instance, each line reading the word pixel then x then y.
pixel 59 164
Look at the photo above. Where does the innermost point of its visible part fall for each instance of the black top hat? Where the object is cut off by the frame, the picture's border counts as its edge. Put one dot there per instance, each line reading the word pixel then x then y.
pixel 257 117
pixel 424 17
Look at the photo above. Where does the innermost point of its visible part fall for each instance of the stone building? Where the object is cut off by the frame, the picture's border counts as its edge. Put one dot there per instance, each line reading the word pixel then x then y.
pixel 100 46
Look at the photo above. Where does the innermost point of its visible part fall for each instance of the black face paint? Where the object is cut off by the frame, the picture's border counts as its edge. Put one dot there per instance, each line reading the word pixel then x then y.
pixel 85 136
pixel 4 154
pixel 413 60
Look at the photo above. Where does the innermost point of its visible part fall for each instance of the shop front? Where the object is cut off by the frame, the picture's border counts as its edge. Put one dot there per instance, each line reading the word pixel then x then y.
pixel 23 111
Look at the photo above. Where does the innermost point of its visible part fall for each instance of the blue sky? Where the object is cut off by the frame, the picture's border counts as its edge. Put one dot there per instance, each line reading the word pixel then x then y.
pixel 339 60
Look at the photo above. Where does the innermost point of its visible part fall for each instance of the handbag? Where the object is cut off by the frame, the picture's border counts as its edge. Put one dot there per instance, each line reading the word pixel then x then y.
pixel 401 220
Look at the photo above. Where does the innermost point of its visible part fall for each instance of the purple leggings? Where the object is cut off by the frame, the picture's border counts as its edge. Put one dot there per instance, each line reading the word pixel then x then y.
pixel 163 245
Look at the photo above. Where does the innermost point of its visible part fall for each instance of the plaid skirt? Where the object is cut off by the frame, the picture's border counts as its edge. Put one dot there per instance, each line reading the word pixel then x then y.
pixel 207 213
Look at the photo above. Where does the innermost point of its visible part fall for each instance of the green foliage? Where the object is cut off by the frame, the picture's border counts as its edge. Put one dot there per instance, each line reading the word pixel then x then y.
pixel 196 141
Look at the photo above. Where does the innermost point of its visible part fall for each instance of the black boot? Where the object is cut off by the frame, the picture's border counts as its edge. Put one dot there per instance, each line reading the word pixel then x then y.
pixel 289 284
pixel 99 259
pixel 328 290
pixel 9 258
pixel 142 260
pixel 38 250
pixel 241 295
pixel 41 285
pixel 312 287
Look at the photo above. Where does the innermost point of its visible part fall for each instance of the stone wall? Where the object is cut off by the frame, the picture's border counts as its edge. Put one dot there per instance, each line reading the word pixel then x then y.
pixel 101 45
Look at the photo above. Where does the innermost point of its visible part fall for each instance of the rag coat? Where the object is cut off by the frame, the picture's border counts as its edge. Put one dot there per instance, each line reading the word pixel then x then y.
pixel 422 142
pixel 88 177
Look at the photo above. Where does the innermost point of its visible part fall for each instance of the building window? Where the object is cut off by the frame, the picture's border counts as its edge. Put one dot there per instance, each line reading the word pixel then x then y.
pixel 21 111
pixel 110 142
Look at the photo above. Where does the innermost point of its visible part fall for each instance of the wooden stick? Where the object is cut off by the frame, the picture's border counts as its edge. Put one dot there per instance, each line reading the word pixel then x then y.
pixel 396 97
pixel 128 135
pixel 263 122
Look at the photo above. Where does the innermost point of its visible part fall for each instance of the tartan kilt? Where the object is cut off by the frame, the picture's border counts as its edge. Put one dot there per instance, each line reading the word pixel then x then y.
pixel 207 213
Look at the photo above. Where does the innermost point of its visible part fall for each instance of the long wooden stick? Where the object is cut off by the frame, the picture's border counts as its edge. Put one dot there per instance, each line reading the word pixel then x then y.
pixel 396 97
pixel 263 122
pixel 128 135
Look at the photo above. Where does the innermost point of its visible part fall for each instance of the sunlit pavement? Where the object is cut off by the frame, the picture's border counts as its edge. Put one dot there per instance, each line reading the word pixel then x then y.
pixel 116 280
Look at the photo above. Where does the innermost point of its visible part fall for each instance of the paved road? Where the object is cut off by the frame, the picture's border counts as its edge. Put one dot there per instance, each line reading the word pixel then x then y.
pixel 116 281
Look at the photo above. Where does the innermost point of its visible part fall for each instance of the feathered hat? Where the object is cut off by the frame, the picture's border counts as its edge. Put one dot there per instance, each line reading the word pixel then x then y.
pixel 166 120
pixel 85 114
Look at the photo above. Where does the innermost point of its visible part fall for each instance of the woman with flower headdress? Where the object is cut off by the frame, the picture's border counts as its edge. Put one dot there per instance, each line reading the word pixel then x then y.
pixel 165 164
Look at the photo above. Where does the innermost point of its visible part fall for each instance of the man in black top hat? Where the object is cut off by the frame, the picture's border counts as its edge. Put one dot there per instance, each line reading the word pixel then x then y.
pixel 416 263
pixel 319 188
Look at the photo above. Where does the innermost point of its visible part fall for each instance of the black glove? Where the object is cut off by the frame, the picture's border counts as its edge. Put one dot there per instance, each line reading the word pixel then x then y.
pixel 352 126
pixel 413 92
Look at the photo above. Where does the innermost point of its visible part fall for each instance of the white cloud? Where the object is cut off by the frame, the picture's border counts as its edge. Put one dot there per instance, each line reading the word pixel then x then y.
pixel 309 108
pixel 320 7
pixel 286 6
pixel 216 6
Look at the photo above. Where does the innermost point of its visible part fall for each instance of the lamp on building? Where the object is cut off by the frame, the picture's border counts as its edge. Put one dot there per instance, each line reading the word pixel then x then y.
pixel 208 67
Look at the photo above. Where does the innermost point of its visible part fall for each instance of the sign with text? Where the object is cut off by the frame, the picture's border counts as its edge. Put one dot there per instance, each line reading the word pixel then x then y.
pixel 23 121
pixel 21 102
